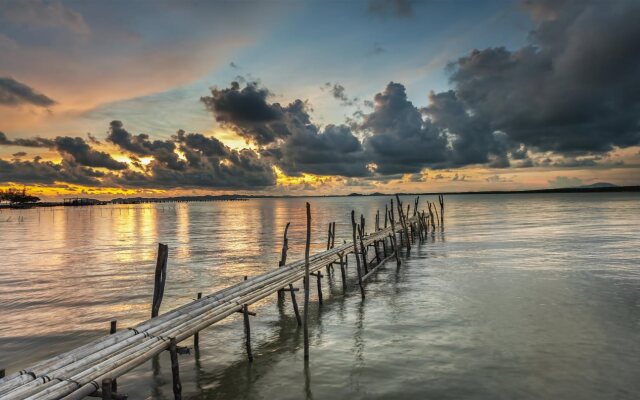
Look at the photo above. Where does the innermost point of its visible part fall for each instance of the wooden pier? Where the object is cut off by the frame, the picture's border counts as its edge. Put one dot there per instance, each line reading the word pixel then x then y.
pixel 92 369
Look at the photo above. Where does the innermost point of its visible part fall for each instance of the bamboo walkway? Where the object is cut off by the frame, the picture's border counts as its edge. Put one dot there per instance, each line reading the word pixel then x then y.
pixel 92 369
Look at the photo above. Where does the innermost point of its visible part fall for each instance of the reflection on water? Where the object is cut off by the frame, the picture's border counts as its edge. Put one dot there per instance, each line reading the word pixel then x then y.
pixel 519 297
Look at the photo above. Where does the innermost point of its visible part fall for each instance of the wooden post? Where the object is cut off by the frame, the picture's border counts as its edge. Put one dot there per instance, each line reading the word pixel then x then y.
pixel 196 336
pixel 385 216
pixel 295 304
pixel 247 329
pixel 175 370
pixel 403 221
pixel 394 244
pixel 343 272
pixel 160 278
pixel 329 235
pixel 355 252
pixel 106 389
pixel 283 256
pixel 441 201
pixel 112 329
pixel 306 285
pixel 363 251
pixel 318 275
pixel 2 373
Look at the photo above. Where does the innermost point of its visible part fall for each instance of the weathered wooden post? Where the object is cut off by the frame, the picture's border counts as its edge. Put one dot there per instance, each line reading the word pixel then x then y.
pixel 175 370
pixel 343 272
pixel 318 276
pixel 247 329
pixel 292 290
pixel 394 244
pixel 160 278
pixel 363 249
pixel 403 222
pixel 2 373
pixel 441 201
pixel 283 256
pixel 306 285
pixel 112 329
pixel 106 389
pixel 355 252
pixel 196 336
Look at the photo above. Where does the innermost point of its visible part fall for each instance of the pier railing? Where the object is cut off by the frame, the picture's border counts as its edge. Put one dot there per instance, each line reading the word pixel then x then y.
pixel 92 369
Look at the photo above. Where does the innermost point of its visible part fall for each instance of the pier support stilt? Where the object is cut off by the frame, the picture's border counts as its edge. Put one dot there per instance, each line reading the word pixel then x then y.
pixel 175 370
pixel 106 389
pixel 355 252
pixel 306 285
pixel 196 336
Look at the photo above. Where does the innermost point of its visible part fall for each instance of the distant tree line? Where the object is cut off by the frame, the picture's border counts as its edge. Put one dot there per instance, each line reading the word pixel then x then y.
pixel 14 196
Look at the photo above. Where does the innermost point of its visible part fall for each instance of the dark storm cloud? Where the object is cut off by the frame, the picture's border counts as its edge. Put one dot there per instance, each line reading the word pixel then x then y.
pixel 400 140
pixel 574 90
pixel 76 149
pixel 207 163
pixel 14 93
pixel 83 154
pixel 400 8
pixel 139 145
pixel 333 151
pixel 248 113
pixel 33 142
pixel 38 172
pixel 472 140
pixel 286 134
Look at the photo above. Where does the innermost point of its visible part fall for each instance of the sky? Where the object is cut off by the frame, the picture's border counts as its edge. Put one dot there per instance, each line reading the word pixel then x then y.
pixel 139 98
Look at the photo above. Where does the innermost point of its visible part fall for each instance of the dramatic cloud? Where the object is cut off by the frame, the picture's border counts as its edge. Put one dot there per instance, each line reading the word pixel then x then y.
pixel 333 151
pixel 574 90
pixel 248 113
pixel 33 142
pixel 400 140
pixel 207 162
pixel 75 149
pixel 14 93
pixel 83 154
pixel 39 172
pixel 286 135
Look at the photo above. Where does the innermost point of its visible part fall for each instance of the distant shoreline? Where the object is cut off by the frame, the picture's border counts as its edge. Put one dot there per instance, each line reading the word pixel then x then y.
pixel 241 197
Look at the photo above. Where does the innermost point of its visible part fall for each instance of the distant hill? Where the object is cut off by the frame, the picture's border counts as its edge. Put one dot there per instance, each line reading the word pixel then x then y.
pixel 598 185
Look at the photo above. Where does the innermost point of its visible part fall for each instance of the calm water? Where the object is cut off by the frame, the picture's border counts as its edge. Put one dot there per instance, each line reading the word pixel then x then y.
pixel 528 297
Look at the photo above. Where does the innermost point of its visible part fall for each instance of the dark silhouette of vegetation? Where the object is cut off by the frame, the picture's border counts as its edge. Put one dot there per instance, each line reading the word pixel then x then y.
pixel 17 196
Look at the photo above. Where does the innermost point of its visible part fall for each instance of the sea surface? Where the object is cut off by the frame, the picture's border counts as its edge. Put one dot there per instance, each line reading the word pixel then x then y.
pixel 515 297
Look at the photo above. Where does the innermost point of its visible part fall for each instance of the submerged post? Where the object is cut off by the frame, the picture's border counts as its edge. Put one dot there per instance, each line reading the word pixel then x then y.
pixel 175 370
pixel 160 278
pixel 196 336
pixel 306 285
pixel 112 329
pixel 355 252
pixel 247 329
pixel 441 201
pixel 106 389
